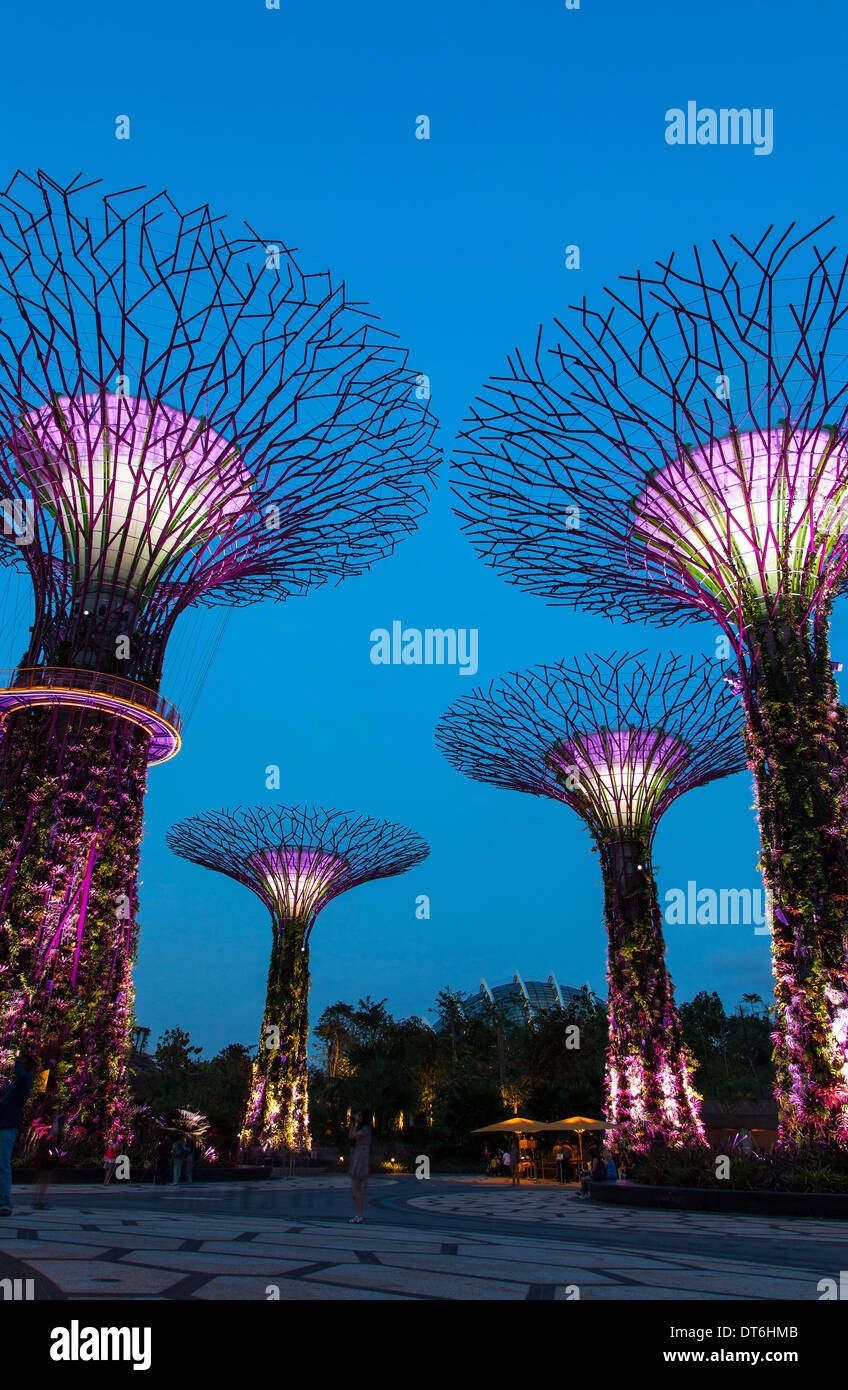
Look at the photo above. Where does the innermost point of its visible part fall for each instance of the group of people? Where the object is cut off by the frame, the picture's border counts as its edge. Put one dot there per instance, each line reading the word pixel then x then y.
pixel 603 1167
pixel 178 1155
pixel 174 1156
pixel 606 1167
pixel 506 1162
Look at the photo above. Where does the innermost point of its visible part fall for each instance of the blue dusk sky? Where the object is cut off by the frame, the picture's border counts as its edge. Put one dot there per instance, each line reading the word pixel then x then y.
pixel 547 129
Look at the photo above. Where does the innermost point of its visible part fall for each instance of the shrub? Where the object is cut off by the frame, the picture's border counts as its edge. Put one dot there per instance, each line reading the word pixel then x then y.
pixel 823 1169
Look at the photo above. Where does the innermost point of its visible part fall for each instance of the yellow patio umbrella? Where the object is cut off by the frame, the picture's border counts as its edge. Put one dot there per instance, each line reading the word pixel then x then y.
pixel 514 1126
pixel 577 1124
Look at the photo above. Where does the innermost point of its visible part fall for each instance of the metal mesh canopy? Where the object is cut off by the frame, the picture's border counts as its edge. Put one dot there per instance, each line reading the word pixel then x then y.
pixel 615 739
pixel 189 415
pixel 297 859
pixel 679 452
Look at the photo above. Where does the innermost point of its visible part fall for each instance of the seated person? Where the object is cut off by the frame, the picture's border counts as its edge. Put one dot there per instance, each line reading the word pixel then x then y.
pixel 597 1173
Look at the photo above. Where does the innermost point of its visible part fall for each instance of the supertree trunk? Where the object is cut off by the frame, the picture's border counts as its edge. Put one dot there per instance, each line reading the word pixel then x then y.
pixel 73 785
pixel 278 1107
pixel 649 1088
pixel 797 744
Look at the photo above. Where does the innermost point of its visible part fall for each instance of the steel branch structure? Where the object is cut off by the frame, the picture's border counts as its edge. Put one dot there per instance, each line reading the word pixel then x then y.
pixel 186 417
pixel 296 860
pixel 683 454
pixel 617 741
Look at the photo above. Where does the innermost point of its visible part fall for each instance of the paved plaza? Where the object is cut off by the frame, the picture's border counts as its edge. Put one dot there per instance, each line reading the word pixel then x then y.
pixel 446 1238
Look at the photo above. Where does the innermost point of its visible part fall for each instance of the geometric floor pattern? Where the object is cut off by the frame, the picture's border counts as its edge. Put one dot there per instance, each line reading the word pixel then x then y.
pixel 450 1238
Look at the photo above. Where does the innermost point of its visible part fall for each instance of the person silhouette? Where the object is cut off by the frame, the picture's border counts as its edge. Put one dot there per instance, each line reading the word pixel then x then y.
pixel 360 1136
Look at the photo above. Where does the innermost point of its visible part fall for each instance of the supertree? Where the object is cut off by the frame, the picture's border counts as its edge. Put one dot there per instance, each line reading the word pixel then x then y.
pixel 186 418
pixel 617 741
pixel 682 454
pixel 296 859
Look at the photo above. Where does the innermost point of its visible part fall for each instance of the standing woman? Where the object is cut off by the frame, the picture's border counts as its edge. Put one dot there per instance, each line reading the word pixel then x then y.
pixel 360 1136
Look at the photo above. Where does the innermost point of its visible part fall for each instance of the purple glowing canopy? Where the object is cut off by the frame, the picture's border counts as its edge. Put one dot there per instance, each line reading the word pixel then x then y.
pixel 620 773
pixel 298 858
pixel 298 879
pixel 135 488
pixel 747 520
pixel 617 739
pixel 195 418
pixel 679 451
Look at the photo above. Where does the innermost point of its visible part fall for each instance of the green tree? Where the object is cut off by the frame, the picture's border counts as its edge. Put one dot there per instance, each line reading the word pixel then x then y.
pixel 174 1051
pixel 449 1011
pixel 705 1026
pixel 335 1028
pixel 370 1021
pixel 220 1090
pixel 463 1104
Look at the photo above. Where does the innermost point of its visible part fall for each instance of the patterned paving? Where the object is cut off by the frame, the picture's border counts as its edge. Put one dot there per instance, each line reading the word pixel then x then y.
pixel 548 1203
pixel 458 1239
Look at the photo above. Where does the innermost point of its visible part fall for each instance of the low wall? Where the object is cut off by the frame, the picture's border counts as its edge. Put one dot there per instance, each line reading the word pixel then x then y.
pixel 829 1205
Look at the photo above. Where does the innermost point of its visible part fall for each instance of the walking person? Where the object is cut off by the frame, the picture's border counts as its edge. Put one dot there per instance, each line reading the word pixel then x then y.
pixel 178 1153
pixel 531 1155
pixel 559 1160
pixel 515 1163
pixel 50 1154
pixel 360 1136
pixel 160 1160
pixel 110 1162
pixel 12 1103
pixel 567 1162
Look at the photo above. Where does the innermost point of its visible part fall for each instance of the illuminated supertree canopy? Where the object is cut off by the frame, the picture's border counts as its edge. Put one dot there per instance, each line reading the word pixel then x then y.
pixel 186 417
pixel 296 859
pixel 617 741
pixel 682 454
